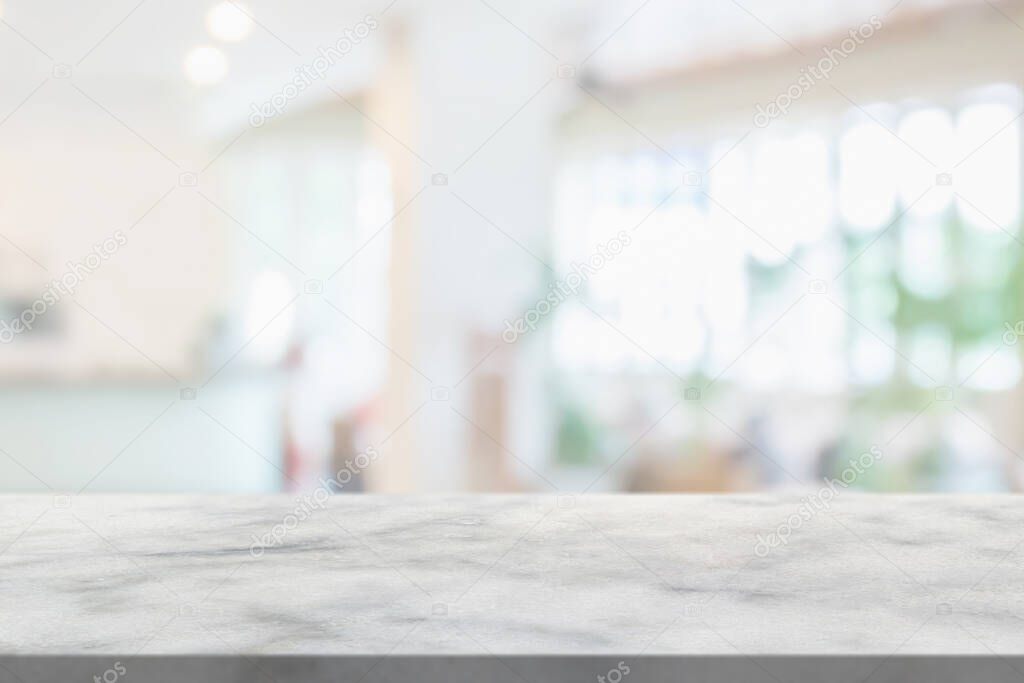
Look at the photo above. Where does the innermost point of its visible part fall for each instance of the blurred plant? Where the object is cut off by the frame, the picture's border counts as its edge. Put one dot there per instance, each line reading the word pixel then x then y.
pixel 579 436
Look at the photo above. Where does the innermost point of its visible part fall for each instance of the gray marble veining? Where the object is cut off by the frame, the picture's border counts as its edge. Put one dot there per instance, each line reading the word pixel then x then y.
pixel 511 575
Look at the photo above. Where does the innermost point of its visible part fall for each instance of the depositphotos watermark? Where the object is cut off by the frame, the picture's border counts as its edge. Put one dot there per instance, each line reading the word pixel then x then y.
pixel 307 74
pixel 816 502
pixel 61 287
pixel 307 504
pixel 568 286
pixel 112 674
pixel 615 675
pixel 1013 332
pixel 813 73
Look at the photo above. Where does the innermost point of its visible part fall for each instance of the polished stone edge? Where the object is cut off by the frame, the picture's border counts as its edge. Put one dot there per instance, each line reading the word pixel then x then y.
pixel 509 669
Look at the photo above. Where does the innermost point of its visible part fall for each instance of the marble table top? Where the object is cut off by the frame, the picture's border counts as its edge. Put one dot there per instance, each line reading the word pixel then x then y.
pixel 478 575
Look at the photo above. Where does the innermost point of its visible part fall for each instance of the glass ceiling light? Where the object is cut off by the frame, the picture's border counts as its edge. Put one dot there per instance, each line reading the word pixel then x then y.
pixel 228 22
pixel 206 65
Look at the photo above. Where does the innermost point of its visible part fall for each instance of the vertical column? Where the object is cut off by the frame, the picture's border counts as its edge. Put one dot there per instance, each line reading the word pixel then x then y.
pixel 468 251
pixel 389 105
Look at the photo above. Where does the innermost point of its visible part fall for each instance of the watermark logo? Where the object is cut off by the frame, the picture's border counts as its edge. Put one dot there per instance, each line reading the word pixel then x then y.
pixel 63 286
pixel 307 74
pixel 307 504
pixel 1013 332
pixel 567 287
pixel 111 675
pixel 812 74
pixel 815 503
pixel 615 674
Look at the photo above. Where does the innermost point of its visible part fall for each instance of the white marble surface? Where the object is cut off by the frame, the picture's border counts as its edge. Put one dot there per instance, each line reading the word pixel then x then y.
pixel 511 575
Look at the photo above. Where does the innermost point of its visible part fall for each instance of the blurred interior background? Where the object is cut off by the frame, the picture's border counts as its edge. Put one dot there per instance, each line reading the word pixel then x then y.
pixel 654 245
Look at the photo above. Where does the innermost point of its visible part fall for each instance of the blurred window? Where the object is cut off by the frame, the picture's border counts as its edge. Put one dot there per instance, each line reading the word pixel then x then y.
pixel 907 212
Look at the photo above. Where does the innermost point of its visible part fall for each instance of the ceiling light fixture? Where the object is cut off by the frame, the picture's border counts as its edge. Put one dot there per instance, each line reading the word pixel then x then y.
pixel 228 22
pixel 206 65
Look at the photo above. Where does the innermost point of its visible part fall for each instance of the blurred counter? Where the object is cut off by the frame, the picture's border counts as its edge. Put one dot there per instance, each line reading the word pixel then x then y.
pixel 143 435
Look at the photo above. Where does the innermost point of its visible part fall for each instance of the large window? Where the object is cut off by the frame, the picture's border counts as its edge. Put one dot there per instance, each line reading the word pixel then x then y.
pixel 870 264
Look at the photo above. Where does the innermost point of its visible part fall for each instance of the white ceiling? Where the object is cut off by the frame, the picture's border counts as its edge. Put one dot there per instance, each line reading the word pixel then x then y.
pixel 113 42
pixel 120 38
pixel 675 34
